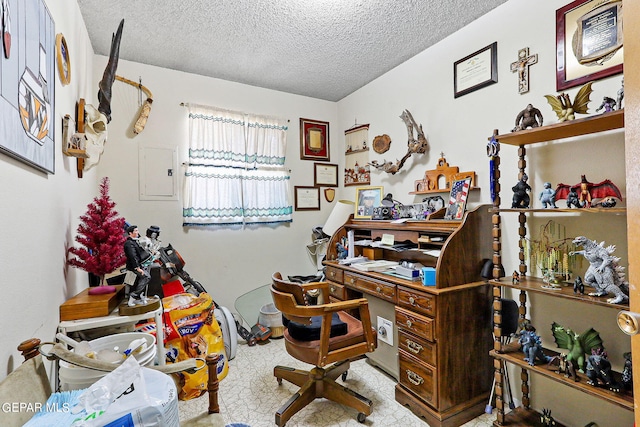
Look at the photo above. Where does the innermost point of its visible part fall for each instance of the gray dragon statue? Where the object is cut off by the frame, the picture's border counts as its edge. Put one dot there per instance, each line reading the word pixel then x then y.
pixel 417 145
pixel 604 273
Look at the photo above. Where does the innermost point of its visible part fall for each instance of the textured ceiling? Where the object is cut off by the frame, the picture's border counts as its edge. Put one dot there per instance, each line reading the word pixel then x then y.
pixel 324 49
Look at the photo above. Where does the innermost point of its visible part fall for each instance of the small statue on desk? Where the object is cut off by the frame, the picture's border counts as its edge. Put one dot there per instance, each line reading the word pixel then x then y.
pixel 548 196
pixel 520 197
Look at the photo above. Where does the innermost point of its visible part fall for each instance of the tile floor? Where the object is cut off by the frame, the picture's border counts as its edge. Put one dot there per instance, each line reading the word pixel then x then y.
pixel 251 395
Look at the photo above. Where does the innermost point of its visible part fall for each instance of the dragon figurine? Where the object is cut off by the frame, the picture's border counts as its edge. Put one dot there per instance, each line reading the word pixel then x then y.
pixel 604 273
pixel 578 345
pixel 586 192
pixel 567 110
pixel 415 146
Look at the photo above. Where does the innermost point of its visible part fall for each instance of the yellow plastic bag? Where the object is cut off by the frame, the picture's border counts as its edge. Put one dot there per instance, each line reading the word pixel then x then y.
pixel 191 331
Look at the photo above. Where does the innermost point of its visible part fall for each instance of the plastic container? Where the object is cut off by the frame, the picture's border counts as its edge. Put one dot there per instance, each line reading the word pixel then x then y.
pixel 271 317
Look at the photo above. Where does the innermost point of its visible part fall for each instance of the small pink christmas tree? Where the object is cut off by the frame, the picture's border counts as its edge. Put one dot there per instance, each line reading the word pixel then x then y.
pixel 101 233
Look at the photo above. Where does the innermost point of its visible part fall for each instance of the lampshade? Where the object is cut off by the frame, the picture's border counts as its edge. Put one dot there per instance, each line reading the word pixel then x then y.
pixel 338 216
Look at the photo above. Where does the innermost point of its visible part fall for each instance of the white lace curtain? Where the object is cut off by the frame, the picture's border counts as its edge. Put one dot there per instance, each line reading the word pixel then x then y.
pixel 236 170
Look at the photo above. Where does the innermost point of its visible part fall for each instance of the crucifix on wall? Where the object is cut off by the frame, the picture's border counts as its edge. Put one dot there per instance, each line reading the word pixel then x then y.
pixel 521 66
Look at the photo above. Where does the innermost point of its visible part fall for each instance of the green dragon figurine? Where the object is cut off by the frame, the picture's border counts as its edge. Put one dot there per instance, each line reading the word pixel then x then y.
pixel 578 345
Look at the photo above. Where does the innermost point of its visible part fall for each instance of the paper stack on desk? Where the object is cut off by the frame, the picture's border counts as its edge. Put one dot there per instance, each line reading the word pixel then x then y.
pixel 378 265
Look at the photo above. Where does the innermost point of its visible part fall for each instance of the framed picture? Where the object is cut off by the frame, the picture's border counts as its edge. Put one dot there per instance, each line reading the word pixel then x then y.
pixel 63 59
pixel 314 140
pixel 367 198
pixel 458 199
pixel 307 198
pixel 476 71
pixel 588 42
pixel 325 175
pixel 27 93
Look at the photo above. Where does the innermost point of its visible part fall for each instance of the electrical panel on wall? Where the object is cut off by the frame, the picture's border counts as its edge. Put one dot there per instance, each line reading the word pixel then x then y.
pixel 157 173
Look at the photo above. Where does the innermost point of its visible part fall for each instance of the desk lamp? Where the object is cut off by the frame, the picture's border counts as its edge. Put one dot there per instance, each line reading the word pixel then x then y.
pixel 338 216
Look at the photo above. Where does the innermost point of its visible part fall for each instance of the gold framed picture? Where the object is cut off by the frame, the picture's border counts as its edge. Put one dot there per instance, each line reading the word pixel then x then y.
pixel 367 198
pixel 63 59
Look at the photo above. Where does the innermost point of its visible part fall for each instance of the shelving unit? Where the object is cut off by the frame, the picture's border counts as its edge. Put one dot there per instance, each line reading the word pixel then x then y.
pixel 524 416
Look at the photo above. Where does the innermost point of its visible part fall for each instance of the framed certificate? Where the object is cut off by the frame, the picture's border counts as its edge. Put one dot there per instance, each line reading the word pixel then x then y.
pixel 478 70
pixel 307 198
pixel 325 175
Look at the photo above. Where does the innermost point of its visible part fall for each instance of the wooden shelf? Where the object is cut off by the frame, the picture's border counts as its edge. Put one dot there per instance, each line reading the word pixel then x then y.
pixel 534 284
pixel 565 210
pixel 585 126
pixel 623 399
pixel 523 417
pixel 363 150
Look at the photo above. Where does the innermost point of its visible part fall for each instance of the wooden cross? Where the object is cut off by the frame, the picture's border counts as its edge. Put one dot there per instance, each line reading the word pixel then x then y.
pixel 521 66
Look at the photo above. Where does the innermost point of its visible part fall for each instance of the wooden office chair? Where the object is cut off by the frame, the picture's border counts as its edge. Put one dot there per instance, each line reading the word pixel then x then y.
pixel 321 335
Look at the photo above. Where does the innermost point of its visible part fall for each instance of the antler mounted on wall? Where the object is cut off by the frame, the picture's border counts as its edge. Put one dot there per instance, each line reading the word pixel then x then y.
pixel 419 145
pixel 95 128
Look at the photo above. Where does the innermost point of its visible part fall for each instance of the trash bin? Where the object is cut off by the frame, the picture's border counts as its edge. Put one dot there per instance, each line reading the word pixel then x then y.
pixel 271 317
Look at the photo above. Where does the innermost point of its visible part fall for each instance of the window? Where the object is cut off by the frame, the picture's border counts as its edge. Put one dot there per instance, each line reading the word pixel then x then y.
pixel 235 173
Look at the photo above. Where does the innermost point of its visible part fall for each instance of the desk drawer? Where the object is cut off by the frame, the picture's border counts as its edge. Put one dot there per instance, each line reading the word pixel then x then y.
pixel 374 287
pixel 419 378
pixel 419 348
pixel 416 301
pixel 416 324
pixel 337 290
pixel 334 274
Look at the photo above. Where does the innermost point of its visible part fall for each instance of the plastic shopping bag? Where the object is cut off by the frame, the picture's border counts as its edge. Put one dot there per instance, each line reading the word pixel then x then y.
pixel 191 331
pixel 130 395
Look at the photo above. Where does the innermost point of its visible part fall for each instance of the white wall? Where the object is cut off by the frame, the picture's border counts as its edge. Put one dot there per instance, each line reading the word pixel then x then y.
pixel 39 213
pixel 227 261
pixel 460 128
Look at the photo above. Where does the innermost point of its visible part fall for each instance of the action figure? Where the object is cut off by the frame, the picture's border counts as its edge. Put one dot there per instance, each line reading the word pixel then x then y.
pixel 599 370
pixel 520 197
pixel 578 286
pixel 572 198
pixel 531 344
pixel 627 372
pixel 609 104
pixel 548 196
pixel 604 272
pixel 138 262
pixel 515 278
pixel 578 345
pixel 528 118
pixel 620 95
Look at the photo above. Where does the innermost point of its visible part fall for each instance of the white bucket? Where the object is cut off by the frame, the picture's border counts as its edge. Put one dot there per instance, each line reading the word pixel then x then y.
pixel 271 317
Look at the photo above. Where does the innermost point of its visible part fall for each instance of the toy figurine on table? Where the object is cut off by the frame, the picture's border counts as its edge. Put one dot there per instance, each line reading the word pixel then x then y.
pixel 604 273
pixel 531 344
pixel 548 196
pixel 599 370
pixel 138 260
pixel 520 197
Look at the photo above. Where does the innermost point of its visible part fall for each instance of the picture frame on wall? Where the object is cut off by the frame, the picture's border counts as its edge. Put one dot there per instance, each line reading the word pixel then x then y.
pixel 588 42
pixel 314 140
pixel 458 199
pixel 475 71
pixel 26 98
pixel 325 175
pixel 367 198
pixel 306 198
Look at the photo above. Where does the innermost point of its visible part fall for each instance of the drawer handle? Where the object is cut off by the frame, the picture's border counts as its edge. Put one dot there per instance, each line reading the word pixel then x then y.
pixel 414 378
pixel 333 274
pixel 409 324
pixel 412 301
pixel 414 347
pixel 378 289
pixel 352 280
pixel 333 289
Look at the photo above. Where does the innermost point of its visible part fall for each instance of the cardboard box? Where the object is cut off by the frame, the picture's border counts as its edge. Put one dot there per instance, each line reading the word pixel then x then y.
pixel 428 276
pixel 84 306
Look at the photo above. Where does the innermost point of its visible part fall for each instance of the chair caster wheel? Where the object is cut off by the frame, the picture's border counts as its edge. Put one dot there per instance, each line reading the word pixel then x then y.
pixel 279 381
pixel 344 375
pixel 361 417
